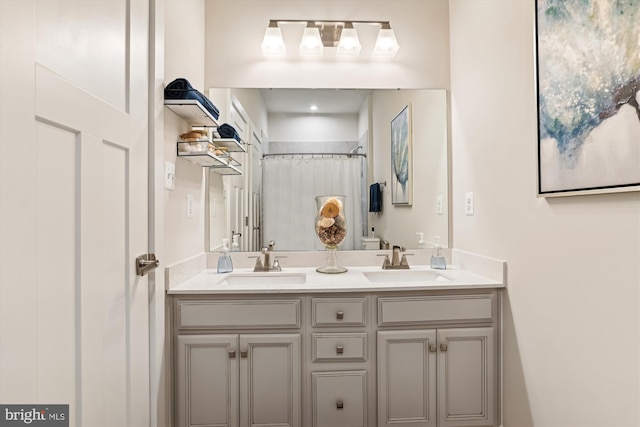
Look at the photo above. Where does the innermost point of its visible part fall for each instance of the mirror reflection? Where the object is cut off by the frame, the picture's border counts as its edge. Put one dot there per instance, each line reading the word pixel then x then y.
pixel 303 143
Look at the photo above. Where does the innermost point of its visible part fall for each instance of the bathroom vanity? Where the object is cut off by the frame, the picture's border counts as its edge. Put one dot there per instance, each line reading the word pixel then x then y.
pixel 366 348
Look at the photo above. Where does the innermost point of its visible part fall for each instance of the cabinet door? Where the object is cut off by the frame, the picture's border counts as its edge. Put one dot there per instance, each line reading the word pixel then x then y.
pixel 407 378
pixel 466 377
pixel 207 381
pixel 270 380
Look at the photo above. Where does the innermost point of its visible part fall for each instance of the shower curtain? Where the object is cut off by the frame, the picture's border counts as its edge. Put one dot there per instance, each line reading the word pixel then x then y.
pixel 290 185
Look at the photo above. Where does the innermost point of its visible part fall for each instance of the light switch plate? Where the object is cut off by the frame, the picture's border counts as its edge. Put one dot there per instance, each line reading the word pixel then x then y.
pixel 169 175
pixel 189 205
pixel 468 203
pixel 439 205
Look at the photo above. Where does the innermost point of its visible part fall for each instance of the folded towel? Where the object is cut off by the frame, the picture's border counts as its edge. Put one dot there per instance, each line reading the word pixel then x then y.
pixel 182 89
pixel 375 198
pixel 225 130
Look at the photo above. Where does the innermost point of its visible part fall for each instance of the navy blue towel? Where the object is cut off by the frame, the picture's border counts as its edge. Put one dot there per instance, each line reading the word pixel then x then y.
pixel 375 198
pixel 182 89
pixel 225 130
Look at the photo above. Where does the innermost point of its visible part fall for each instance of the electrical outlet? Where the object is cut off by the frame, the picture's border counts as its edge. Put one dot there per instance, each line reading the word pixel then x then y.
pixel 468 203
pixel 439 205
pixel 169 175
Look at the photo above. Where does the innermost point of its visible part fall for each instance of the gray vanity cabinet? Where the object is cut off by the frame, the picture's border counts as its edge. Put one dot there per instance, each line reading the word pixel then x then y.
pixel 238 380
pixel 233 367
pixel 444 375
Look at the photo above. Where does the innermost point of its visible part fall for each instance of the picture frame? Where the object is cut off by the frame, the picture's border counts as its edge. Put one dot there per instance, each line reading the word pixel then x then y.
pixel 402 158
pixel 588 88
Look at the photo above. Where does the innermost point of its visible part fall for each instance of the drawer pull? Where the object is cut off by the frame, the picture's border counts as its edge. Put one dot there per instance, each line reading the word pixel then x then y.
pixel 339 404
pixel 340 315
pixel 443 347
pixel 433 348
pixel 232 354
pixel 244 353
pixel 339 349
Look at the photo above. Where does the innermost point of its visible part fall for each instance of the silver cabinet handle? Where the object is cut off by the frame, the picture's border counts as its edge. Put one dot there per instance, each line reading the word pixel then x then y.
pixel 232 354
pixel 339 349
pixel 433 348
pixel 443 347
pixel 340 315
pixel 339 404
pixel 244 353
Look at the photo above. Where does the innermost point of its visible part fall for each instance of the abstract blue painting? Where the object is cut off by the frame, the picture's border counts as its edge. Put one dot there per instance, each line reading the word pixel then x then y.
pixel 401 185
pixel 588 68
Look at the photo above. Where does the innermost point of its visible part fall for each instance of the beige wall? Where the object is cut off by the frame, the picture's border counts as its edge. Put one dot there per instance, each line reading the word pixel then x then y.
pixel 571 319
pixel 184 57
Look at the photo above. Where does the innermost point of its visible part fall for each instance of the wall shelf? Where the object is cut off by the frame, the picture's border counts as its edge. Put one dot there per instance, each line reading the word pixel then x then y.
pixel 221 165
pixel 232 145
pixel 192 111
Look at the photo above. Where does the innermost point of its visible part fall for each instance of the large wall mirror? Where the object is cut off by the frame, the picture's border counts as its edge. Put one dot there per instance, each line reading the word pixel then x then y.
pixel 302 143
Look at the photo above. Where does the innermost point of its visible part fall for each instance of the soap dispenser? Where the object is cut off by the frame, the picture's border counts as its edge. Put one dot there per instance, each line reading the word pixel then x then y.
pixel 225 265
pixel 438 261
pixel 235 245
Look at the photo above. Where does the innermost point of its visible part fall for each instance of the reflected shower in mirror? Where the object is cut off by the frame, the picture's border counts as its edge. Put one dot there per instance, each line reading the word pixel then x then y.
pixel 302 143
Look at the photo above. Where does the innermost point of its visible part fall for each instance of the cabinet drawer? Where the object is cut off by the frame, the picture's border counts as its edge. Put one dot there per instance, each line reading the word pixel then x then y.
pixel 339 347
pixel 435 309
pixel 338 312
pixel 339 399
pixel 239 314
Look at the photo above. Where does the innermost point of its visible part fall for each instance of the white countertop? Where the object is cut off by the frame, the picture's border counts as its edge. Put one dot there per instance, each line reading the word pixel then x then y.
pixel 354 280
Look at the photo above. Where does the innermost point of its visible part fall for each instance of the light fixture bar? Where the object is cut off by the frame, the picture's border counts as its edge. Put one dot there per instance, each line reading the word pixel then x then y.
pixel 319 34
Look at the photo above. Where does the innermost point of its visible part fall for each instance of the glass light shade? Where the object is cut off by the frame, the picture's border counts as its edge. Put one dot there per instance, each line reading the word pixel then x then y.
pixel 273 44
pixel 349 44
pixel 311 44
pixel 386 43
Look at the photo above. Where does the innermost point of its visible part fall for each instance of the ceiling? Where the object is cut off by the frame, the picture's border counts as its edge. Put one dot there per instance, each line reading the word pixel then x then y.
pixel 328 101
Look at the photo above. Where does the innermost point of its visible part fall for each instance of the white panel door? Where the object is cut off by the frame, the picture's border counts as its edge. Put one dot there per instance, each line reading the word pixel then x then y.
pixel 74 215
pixel 238 202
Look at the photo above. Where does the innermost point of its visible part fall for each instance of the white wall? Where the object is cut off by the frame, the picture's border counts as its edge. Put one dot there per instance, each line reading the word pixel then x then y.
pixel 184 57
pixel 312 133
pixel 571 319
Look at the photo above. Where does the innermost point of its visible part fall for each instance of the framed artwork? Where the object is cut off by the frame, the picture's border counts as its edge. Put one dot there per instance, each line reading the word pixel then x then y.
pixel 401 152
pixel 588 82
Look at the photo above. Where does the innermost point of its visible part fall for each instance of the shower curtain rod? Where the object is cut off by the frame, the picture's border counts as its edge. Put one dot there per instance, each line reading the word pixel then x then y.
pixel 264 156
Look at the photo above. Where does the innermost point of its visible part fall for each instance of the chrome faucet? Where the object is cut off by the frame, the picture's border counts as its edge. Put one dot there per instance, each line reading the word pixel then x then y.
pixel 396 262
pixel 267 266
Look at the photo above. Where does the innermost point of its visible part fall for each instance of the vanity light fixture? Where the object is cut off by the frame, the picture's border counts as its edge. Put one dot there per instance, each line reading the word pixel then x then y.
pixel 349 44
pixel 273 43
pixel 386 43
pixel 318 35
pixel 311 43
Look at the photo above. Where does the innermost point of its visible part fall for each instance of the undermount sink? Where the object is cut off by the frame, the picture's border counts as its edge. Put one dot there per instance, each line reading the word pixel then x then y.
pixel 403 276
pixel 264 279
